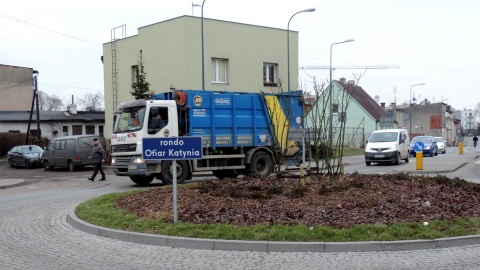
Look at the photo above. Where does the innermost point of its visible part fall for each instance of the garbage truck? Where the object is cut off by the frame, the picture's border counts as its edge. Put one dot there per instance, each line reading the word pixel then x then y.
pixel 240 132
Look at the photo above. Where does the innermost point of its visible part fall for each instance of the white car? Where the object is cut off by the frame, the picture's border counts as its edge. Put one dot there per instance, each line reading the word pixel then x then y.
pixel 441 144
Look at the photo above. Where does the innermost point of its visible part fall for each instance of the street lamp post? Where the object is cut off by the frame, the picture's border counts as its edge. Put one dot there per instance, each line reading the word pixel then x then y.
pixel 203 54
pixel 331 92
pixel 194 5
pixel 288 45
pixel 288 78
pixel 410 110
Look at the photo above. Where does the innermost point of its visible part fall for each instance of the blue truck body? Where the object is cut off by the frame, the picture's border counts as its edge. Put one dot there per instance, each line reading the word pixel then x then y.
pixel 233 119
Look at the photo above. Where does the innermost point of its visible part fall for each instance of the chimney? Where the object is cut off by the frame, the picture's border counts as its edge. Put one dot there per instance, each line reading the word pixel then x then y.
pixel 72 109
pixel 343 80
pixel 382 105
pixel 351 82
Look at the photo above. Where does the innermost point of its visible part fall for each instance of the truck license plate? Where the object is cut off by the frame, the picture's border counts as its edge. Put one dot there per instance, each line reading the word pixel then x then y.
pixel 379 156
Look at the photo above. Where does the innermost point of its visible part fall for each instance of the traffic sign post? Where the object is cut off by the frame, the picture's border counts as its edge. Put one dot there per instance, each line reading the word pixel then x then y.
pixel 419 146
pixel 179 148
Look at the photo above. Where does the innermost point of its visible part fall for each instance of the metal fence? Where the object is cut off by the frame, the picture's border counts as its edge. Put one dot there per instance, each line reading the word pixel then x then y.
pixel 353 137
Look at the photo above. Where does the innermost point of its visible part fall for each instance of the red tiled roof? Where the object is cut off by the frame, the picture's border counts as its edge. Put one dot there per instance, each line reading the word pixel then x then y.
pixel 364 99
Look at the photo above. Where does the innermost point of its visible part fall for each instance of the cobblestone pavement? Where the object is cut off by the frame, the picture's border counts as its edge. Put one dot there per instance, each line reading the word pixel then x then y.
pixel 37 236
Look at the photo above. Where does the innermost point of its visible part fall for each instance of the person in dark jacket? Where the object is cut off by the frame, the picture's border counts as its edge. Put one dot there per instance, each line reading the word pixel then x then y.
pixel 98 157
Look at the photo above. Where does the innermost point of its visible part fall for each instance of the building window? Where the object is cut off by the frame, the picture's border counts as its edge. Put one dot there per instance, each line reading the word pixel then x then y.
pixel 342 117
pixel 135 74
pixel 269 74
pixel 89 129
pixel 100 131
pixel 77 130
pixel 14 131
pixel 219 70
pixel 65 130
pixel 335 108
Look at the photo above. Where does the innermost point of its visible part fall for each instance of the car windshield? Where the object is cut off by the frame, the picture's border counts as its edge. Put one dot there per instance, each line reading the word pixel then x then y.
pixel 384 137
pixel 438 139
pixel 31 149
pixel 421 139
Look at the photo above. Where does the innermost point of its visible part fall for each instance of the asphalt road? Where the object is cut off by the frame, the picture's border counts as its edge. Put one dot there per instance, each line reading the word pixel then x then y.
pixel 34 234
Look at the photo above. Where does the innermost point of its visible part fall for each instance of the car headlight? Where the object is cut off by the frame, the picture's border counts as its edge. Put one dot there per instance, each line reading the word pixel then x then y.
pixel 114 160
pixel 427 147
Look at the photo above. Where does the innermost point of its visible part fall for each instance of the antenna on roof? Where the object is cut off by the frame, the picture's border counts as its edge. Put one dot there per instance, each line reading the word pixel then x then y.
pixel 376 98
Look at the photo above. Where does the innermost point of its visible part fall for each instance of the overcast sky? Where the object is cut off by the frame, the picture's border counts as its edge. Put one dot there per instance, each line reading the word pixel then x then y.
pixel 435 42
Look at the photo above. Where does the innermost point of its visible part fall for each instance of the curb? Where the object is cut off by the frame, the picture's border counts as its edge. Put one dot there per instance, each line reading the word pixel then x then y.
pixel 12 183
pixel 268 246
pixel 431 172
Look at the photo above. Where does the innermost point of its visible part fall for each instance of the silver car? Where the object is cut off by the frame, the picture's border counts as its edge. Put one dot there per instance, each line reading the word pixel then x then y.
pixel 441 144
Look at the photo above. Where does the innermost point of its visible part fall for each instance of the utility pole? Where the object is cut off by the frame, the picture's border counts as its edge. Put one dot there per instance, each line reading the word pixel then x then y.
pixel 35 97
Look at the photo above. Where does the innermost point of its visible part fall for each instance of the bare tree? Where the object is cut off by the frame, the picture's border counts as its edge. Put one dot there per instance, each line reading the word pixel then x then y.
pixel 326 131
pixel 48 102
pixel 91 101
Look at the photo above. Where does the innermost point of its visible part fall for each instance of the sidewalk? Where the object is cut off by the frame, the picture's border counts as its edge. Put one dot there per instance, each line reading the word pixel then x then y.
pixel 433 165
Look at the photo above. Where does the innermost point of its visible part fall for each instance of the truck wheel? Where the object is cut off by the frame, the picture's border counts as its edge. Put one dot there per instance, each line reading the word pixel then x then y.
pixel 167 172
pixel 221 174
pixel 46 165
pixel 261 164
pixel 71 167
pixel 142 180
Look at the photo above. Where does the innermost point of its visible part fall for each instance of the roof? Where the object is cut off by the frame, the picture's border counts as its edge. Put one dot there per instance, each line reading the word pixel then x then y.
pixel 364 99
pixel 57 116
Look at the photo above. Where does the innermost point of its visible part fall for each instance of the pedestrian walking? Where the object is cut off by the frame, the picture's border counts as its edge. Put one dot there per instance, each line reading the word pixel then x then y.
pixel 98 157
pixel 475 140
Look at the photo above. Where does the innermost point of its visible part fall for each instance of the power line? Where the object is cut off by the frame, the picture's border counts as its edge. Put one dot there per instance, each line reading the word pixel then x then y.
pixel 72 87
pixel 9 17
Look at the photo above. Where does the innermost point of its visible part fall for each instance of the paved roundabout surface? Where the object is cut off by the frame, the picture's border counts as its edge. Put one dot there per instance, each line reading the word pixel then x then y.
pixel 37 236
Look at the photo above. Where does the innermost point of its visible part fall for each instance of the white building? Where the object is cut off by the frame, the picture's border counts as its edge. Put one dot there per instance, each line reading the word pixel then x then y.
pixel 468 120
pixel 54 123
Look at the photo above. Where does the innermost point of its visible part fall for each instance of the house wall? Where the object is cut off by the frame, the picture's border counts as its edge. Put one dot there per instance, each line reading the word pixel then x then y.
pixel 359 124
pixel 48 128
pixel 172 55
pixel 16 91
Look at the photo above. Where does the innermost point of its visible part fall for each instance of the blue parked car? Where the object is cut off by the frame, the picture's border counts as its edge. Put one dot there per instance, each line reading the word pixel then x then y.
pixel 430 146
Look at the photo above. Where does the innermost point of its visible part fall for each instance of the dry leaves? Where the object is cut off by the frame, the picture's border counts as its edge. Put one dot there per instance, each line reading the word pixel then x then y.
pixel 359 198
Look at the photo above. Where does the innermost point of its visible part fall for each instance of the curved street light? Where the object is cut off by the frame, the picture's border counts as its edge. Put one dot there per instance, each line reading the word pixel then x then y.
pixel 410 110
pixel 331 90
pixel 288 45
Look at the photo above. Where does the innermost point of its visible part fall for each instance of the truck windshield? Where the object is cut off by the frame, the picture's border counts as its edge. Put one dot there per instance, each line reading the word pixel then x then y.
pixel 130 119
